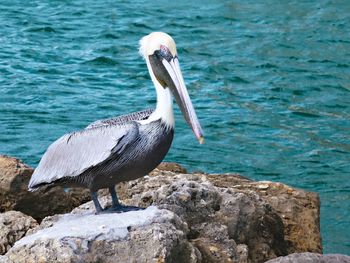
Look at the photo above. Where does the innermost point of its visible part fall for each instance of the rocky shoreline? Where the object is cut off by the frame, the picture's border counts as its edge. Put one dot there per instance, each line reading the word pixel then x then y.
pixel 188 218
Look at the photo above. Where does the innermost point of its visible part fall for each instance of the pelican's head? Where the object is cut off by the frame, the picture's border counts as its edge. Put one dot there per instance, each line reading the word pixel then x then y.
pixel 159 50
pixel 154 41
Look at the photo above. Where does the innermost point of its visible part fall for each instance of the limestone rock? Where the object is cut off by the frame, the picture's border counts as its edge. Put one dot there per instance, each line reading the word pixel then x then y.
pixel 311 258
pixel 14 176
pixel 14 195
pixel 210 218
pixel 171 167
pixel 13 226
pixel 149 235
pixel 225 225
pixel 299 210
pixel 4 259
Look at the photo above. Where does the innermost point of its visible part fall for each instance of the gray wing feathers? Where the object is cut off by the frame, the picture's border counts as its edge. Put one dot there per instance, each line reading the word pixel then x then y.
pixel 135 116
pixel 75 152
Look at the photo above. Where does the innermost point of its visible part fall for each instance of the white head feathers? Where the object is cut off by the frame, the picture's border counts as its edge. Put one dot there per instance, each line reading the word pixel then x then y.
pixel 153 41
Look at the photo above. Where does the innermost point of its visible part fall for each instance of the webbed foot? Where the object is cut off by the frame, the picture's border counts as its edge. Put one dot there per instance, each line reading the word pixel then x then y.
pixel 116 206
pixel 119 209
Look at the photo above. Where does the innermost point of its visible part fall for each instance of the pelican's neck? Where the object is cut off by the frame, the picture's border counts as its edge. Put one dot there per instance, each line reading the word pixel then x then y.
pixel 164 109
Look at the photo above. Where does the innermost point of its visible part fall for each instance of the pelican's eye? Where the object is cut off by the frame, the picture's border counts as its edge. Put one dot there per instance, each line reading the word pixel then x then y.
pixel 165 53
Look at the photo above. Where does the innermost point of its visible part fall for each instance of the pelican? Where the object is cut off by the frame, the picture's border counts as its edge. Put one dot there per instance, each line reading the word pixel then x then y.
pixel 127 147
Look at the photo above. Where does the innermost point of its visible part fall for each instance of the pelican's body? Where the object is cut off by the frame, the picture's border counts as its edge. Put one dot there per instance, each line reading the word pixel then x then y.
pixel 127 147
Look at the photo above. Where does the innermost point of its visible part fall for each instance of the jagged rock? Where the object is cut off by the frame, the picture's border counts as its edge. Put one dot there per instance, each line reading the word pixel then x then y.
pixel 299 210
pixel 228 218
pixel 13 226
pixel 171 167
pixel 150 235
pixel 219 219
pixel 311 258
pixel 14 195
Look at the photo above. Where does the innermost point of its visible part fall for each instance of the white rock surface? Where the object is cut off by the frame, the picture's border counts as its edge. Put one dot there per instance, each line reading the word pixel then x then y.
pixel 150 235
pixel 89 226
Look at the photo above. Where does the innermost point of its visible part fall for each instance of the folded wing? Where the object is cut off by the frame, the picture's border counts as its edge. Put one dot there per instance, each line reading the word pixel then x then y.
pixel 76 152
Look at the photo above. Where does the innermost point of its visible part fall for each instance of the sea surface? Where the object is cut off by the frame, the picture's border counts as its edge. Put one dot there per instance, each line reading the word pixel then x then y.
pixel 270 81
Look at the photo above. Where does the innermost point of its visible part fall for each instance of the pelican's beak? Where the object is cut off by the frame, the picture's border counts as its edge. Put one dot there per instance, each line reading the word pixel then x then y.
pixel 167 70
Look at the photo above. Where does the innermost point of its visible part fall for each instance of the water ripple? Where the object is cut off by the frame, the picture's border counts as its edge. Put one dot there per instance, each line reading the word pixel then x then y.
pixel 269 87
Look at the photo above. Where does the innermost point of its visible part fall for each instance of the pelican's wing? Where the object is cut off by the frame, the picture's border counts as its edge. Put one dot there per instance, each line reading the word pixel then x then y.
pixel 76 152
pixel 135 116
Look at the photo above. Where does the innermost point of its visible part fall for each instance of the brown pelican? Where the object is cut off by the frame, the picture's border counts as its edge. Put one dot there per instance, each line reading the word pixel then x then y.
pixel 126 147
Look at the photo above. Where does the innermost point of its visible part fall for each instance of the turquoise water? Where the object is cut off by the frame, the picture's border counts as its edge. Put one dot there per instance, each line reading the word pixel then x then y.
pixel 270 82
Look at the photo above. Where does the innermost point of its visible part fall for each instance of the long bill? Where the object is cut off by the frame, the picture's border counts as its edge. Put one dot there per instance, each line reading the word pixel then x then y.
pixel 182 98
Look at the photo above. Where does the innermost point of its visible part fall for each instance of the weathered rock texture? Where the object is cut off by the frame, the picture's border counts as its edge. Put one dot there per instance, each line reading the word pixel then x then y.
pixel 209 218
pixel 311 258
pixel 14 195
pixel 13 226
pixel 225 224
pixel 299 210
pixel 150 235
pixel 170 167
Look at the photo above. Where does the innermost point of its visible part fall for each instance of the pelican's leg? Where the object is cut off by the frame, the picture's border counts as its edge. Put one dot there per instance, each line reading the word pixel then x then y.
pixel 116 206
pixel 96 202
pixel 115 201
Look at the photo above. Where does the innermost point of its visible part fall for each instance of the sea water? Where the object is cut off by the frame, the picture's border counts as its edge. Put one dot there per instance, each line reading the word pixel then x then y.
pixel 270 81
